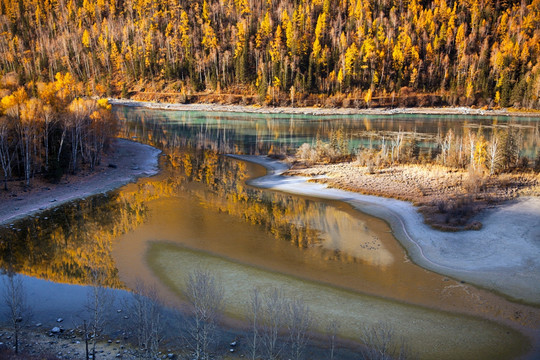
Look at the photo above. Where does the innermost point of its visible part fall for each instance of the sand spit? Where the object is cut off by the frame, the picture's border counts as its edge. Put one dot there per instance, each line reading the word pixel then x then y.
pixel 503 256
pixel 129 161
pixel 321 111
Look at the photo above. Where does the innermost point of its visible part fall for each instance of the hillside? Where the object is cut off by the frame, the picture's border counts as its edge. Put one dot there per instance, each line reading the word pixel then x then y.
pixel 350 53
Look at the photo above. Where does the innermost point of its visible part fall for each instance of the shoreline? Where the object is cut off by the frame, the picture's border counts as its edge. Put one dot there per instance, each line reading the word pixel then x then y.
pixel 322 111
pixel 130 160
pixel 504 256
pixel 446 197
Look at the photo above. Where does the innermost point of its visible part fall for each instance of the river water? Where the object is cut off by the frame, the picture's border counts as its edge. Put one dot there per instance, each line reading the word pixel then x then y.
pixel 199 212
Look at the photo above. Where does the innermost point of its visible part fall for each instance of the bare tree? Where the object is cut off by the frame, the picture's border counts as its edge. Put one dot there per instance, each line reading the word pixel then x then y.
pixel 100 299
pixel 205 295
pixel 446 146
pixel 493 154
pixel 255 318
pixel 300 321
pixel 332 330
pixel 17 308
pixel 274 309
pixel 147 325
pixel 396 146
pixel 381 343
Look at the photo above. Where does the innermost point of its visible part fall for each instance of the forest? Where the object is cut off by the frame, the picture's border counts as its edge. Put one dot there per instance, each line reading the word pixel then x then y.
pixel 46 129
pixel 349 53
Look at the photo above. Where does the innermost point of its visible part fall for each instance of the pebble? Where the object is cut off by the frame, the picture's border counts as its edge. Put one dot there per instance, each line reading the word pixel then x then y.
pixel 55 330
pixel 38 324
pixel 59 320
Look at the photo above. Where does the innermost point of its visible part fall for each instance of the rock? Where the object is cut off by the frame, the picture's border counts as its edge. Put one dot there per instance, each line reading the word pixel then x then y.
pixel 59 320
pixel 170 356
pixel 56 330
pixel 231 350
pixel 38 324
pixel 234 343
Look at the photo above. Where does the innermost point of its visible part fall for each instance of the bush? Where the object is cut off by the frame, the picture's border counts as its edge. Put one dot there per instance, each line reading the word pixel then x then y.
pixel 475 181
pixel 307 153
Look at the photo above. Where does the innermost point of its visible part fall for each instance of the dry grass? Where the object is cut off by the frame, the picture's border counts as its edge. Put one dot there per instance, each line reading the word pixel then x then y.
pixel 447 198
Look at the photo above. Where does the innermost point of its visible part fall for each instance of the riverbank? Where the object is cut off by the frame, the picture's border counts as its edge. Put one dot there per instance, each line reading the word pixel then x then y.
pixel 128 161
pixel 321 110
pixel 504 256
pixel 448 198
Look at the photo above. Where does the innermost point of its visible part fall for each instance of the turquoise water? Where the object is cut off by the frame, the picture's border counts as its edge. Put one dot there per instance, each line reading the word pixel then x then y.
pixel 261 133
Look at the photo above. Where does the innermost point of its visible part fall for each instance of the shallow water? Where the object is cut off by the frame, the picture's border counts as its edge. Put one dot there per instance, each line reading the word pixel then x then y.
pixel 200 204
pixel 428 334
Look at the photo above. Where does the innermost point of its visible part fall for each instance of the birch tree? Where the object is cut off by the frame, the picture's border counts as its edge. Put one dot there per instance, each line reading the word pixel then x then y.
pixel 6 156
pixel 205 295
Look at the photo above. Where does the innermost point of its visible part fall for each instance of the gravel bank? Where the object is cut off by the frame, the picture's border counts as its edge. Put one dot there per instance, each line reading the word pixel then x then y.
pixel 320 111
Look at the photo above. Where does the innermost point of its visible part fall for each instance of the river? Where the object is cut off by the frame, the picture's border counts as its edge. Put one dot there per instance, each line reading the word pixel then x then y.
pixel 200 212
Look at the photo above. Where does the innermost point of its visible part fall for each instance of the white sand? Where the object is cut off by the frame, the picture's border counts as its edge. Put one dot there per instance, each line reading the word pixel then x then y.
pixel 504 256
pixel 133 160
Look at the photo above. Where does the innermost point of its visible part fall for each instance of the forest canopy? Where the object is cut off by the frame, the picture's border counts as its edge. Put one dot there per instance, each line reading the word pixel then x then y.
pixel 465 52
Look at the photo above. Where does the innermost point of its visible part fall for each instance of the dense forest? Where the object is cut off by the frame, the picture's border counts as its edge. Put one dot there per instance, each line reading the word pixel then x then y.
pixel 45 129
pixel 343 52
